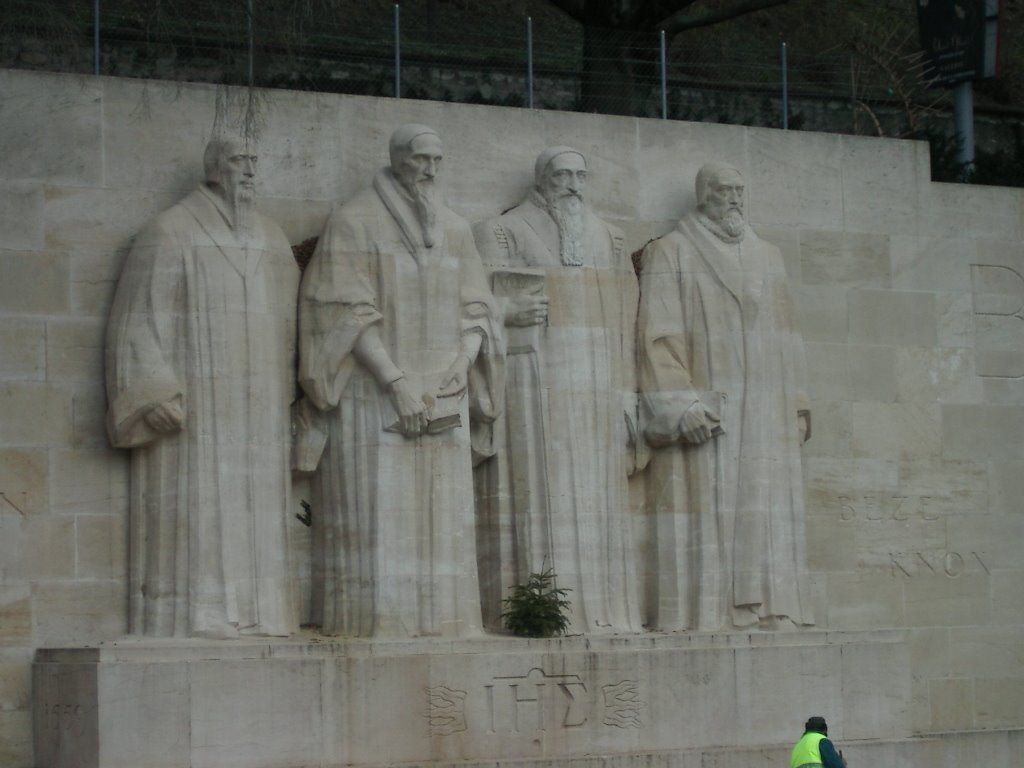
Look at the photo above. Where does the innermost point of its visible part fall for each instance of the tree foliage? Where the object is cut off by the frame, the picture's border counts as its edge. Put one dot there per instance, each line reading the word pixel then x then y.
pixel 537 608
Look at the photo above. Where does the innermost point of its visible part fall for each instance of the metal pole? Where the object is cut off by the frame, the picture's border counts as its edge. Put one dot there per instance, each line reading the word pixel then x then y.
pixel 664 79
pixel 785 92
pixel 529 62
pixel 853 93
pixel 963 118
pixel 96 36
pixel 398 54
pixel 251 45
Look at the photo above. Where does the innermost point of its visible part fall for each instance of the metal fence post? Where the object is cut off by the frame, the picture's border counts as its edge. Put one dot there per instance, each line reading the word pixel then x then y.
pixel 664 79
pixel 251 44
pixel 398 53
pixel 96 37
pixel 785 91
pixel 529 62
pixel 963 120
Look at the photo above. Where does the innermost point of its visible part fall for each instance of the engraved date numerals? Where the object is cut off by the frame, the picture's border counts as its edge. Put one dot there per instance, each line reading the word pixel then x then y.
pixel 67 718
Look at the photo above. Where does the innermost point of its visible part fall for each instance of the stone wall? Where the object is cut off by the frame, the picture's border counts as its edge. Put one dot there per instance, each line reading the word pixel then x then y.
pixel 911 298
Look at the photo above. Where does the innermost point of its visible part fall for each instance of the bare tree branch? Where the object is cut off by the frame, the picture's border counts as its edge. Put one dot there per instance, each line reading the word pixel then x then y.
pixel 680 22
pixel 871 113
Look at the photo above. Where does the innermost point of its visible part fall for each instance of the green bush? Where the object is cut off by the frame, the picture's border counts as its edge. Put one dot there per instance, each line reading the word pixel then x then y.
pixel 537 608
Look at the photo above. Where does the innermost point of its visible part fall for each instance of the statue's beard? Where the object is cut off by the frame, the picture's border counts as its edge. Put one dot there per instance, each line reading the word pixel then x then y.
pixel 567 211
pixel 424 197
pixel 726 224
pixel 732 222
pixel 243 205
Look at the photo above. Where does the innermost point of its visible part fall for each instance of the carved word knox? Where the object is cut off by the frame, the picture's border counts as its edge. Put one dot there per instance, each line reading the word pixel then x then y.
pixel 949 564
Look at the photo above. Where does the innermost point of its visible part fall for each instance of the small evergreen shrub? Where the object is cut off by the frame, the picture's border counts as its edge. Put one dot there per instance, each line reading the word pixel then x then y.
pixel 537 608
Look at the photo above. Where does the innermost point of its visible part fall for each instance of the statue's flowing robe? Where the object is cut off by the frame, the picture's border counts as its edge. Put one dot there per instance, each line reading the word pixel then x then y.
pixel 716 323
pixel 555 495
pixel 206 318
pixel 395 552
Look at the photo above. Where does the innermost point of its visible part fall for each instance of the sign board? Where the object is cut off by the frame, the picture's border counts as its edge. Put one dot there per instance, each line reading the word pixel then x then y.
pixel 959 39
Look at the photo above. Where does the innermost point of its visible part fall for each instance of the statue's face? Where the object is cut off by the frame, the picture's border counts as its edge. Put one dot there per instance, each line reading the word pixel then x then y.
pixel 237 171
pixel 421 162
pixel 724 196
pixel 565 176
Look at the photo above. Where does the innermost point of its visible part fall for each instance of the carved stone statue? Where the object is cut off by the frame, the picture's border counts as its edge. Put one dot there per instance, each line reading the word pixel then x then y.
pixel 200 345
pixel 555 495
pixel 722 387
pixel 397 323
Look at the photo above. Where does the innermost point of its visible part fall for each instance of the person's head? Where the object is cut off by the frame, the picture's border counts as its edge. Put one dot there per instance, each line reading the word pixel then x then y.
pixel 816 724
pixel 230 168
pixel 560 172
pixel 560 175
pixel 720 196
pixel 416 155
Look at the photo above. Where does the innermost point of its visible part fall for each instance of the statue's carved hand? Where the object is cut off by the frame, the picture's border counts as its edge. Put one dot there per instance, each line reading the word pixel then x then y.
pixel 166 417
pixel 453 384
pixel 526 309
pixel 412 411
pixel 698 424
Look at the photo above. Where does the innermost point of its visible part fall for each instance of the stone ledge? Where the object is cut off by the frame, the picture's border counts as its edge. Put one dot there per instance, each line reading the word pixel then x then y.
pixel 312 645
pixel 305 701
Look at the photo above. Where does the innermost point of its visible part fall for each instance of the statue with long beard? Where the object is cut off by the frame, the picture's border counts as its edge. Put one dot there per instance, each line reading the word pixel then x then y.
pixel 555 494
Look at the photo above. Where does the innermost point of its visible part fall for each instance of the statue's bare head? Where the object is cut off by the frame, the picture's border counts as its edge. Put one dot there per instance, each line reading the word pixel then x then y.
pixel 560 172
pixel 416 154
pixel 721 196
pixel 230 167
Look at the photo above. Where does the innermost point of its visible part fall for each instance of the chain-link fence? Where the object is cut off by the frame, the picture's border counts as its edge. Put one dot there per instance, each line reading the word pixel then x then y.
pixel 413 51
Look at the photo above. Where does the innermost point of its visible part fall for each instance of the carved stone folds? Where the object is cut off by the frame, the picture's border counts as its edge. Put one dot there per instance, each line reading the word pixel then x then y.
pixel 423 352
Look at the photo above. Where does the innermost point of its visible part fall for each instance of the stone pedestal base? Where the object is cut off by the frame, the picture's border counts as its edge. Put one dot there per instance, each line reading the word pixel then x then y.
pixel 315 702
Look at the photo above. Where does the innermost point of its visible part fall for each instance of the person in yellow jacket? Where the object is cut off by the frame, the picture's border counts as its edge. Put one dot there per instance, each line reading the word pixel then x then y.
pixel 814 750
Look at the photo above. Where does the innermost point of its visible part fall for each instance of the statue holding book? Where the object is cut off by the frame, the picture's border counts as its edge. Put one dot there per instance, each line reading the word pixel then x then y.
pixel 555 494
pixel 725 407
pixel 400 360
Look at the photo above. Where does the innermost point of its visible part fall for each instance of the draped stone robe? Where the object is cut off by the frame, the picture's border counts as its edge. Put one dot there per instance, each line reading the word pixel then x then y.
pixel 206 317
pixel 555 495
pixel 716 323
pixel 393 516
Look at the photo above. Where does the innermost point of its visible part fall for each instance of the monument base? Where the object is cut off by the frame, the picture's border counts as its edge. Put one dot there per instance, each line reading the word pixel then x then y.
pixel 653 699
